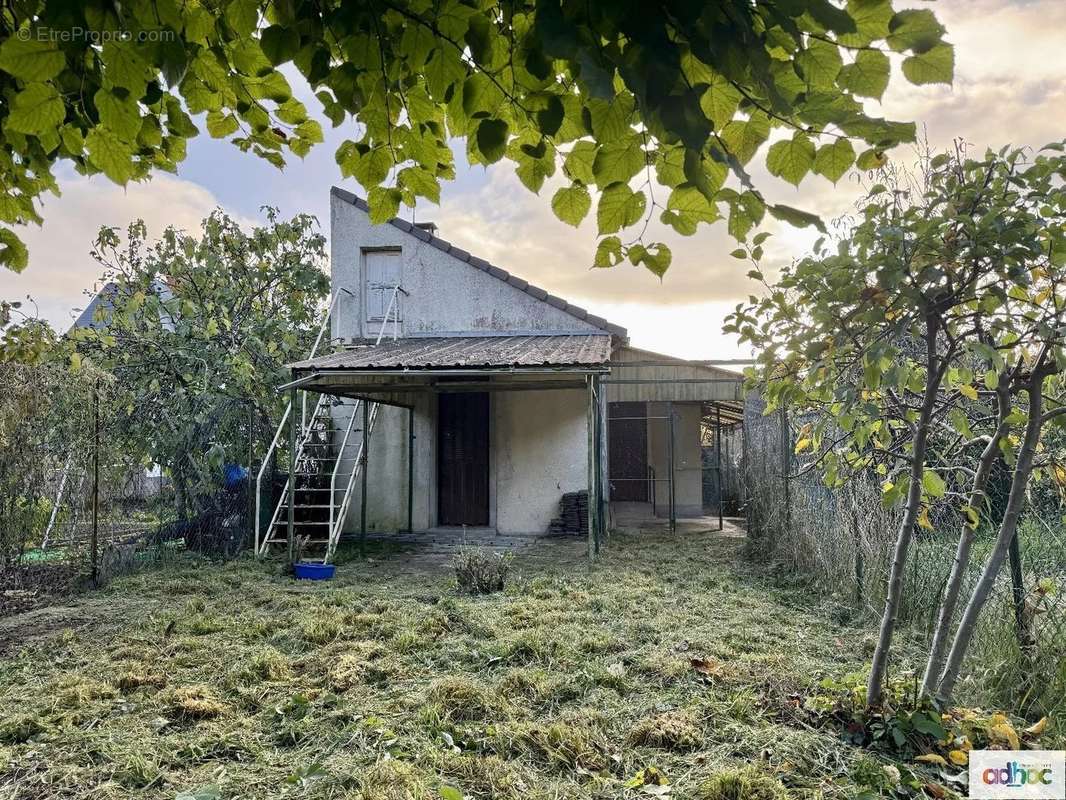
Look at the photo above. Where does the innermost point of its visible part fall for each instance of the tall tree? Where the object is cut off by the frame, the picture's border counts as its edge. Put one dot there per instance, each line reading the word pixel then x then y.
pixel 197 333
pixel 881 339
pixel 674 94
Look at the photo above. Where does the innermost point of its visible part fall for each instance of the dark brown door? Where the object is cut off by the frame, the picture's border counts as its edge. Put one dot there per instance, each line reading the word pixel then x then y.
pixel 463 459
pixel 628 451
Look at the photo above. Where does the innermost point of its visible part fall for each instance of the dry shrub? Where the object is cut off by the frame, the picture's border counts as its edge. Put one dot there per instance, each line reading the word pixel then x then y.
pixel 195 703
pixel 571 742
pixel 745 783
pixel 674 730
pixel 479 571
pixel 75 691
pixel 361 664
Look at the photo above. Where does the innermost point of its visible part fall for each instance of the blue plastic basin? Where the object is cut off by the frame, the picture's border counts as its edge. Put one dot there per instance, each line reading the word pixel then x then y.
pixel 309 571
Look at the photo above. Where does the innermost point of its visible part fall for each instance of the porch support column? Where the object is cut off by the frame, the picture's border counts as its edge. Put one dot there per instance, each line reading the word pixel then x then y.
pixel 410 468
pixel 364 460
pixel 670 451
pixel 718 459
pixel 290 540
pixel 593 469
pixel 603 484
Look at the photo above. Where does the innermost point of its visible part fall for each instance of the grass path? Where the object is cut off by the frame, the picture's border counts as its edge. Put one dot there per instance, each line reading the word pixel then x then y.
pixel 386 684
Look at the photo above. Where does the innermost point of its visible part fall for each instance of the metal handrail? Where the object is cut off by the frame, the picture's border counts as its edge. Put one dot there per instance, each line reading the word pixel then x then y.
pixel 292 469
pixel 262 469
pixel 360 463
pixel 337 465
pixel 388 313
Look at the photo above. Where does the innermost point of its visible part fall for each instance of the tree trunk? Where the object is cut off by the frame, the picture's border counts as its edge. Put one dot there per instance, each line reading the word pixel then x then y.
pixel 948 605
pixel 904 534
pixel 181 489
pixel 1007 530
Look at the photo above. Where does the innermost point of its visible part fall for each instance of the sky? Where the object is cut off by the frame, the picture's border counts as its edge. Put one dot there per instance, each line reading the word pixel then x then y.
pixel 1010 88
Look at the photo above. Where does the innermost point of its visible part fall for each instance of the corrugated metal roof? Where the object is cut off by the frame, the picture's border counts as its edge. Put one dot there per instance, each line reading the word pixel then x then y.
pixel 468 352
pixel 485 266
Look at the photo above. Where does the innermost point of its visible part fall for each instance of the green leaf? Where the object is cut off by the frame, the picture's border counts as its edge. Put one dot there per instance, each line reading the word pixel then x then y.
pixel 914 29
pixel 571 204
pixel 280 43
pixel 579 161
pixel 834 159
pixel 221 125
pixel 820 63
pixel 933 66
pixel 656 257
pixel 550 118
pixel 871 159
pixel 867 76
pixel 36 110
pixel 120 115
pixel 619 207
pixel 791 159
pixel 492 139
pixel 372 167
pixel 608 252
pixel 109 154
pixel 611 119
pixel 13 253
pixel 719 102
pixel 743 138
pixel 618 161
pixel 933 484
pixel 450 793
pixel 384 203
pixel 420 181
pixel 30 59
pixel 691 204
pixel 210 792
pixel 796 216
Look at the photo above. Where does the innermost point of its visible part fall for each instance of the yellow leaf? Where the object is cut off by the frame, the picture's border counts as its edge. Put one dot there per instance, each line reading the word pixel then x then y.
pixel 75 362
pixel 959 757
pixel 923 519
pixel 802 445
pixel 932 758
pixel 997 719
pixel 1037 728
pixel 968 392
pixel 1006 732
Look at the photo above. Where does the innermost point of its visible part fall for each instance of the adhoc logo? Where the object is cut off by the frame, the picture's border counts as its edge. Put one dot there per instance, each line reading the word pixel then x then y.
pixel 996 774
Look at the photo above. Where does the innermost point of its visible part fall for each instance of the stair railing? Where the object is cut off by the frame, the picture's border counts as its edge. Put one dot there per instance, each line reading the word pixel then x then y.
pixel 337 465
pixel 330 311
pixel 360 464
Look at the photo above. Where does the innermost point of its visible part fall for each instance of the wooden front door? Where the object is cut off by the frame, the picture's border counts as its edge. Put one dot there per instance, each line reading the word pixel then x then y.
pixel 628 451
pixel 463 459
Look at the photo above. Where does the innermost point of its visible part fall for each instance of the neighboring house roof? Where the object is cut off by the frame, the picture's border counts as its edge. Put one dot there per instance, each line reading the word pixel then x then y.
pixel 491 269
pixel 469 351
pixel 95 314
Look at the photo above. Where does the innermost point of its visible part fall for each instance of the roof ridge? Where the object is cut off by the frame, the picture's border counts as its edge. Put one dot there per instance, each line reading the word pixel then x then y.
pixel 483 265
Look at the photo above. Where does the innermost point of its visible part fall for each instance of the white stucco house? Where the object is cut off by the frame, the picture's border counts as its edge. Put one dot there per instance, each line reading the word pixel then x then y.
pixel 483 401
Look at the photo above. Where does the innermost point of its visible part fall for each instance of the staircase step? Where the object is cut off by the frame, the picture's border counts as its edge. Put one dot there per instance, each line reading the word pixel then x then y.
pixel 299 523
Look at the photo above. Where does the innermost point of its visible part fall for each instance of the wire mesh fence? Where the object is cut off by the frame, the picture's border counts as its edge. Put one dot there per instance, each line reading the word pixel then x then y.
pixel 841 541
pixel 81 500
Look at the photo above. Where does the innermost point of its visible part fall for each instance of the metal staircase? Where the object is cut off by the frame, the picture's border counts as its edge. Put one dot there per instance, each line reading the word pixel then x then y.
pixel 328 461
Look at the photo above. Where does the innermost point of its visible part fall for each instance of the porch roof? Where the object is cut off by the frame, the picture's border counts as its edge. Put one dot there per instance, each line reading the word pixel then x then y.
pixel 467 352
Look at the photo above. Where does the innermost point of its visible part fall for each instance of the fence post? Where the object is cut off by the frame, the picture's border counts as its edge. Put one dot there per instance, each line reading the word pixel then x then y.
pixel 253 527
pixel 786 468
pixel 718 460
pixel 96 481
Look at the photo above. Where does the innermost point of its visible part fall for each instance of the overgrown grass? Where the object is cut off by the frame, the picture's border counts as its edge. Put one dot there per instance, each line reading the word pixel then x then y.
pixel 388 683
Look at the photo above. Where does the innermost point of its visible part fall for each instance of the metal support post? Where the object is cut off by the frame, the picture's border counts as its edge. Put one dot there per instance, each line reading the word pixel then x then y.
pixel 96 483
pixel 718 459
pixel 290 530
pixel 591 431
pixel 670 447
pixel 365 460
pixel 410 468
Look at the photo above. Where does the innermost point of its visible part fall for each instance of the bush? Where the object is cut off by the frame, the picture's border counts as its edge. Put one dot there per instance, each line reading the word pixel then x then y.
pixel 480 571
pixel 746 783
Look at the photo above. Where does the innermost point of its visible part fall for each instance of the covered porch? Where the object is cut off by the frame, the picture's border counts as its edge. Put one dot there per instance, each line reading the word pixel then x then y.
pixel 463 437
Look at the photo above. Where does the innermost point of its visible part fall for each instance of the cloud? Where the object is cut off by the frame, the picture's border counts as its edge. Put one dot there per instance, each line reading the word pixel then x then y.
pixel 61 271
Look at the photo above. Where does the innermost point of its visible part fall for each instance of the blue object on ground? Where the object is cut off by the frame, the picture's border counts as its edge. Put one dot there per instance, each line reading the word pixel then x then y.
pixel 310 571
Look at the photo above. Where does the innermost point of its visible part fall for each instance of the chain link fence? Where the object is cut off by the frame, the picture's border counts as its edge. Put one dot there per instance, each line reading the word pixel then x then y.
pixel 80 503
pixel 841 542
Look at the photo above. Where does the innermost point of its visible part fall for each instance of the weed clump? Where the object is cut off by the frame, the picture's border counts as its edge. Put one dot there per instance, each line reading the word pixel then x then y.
pixel 745 783
pixel 394 780
pixel 19 729
pixel 135 679
pixel 458 699
pixel 76 692
pixel 362 664
pixel 195 703
pixel 674 730
pixel 479 571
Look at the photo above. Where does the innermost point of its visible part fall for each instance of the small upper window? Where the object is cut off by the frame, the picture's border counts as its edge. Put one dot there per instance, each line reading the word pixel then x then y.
pixel 383 275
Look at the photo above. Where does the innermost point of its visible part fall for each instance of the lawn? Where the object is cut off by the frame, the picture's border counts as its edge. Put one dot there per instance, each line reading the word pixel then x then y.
pixel 672 662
